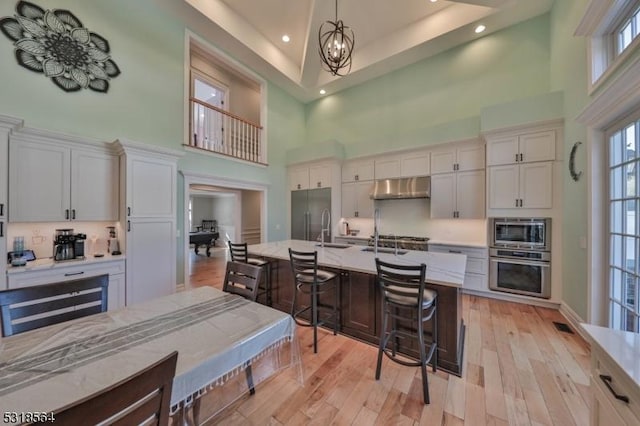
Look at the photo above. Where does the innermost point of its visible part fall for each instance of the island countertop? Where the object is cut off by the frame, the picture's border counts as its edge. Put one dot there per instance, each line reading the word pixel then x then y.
pixel 446 269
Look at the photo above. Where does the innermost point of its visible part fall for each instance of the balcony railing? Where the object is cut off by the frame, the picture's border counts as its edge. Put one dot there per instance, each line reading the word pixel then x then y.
pixel 216 130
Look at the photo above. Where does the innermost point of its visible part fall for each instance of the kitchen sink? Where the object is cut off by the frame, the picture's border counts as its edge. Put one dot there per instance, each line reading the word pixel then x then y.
pixel 385 250
pixel 333 245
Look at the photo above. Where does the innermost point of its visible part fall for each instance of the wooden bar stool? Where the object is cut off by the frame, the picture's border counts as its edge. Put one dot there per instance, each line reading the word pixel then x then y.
pixel 308 279
pixel 404 296
pixel 239 253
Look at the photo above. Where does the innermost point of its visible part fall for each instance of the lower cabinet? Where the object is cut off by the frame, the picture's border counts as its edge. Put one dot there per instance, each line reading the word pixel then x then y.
pixel 476 275
pixel 115 269
pixel 361 315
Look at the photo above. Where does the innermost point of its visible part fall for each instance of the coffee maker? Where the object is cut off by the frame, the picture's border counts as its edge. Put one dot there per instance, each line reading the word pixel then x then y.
pixel 67 245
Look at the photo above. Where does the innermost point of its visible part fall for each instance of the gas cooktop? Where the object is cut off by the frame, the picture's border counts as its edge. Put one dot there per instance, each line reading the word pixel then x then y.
pixel 401 241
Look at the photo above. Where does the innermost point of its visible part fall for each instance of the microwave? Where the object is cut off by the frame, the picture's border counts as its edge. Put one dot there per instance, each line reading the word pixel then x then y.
pixel 521 233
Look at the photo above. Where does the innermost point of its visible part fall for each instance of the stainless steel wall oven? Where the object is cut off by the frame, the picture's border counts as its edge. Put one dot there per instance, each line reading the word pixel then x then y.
pixel 520 256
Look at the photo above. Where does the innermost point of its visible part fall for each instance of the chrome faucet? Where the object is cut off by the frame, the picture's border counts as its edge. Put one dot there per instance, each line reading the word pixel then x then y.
pixel 376 225
pixel 323 229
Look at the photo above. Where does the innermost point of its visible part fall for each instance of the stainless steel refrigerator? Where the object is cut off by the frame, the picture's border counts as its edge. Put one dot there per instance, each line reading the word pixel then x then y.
pixel 306 213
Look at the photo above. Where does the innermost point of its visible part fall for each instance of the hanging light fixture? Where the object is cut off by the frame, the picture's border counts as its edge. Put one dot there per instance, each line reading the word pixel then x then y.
pixel 336 45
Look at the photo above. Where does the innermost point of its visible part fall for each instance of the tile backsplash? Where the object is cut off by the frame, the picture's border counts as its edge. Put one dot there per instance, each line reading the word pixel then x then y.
pixel 39 236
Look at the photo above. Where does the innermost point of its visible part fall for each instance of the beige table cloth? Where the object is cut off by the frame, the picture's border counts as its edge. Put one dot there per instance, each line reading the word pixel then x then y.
pixel 215 333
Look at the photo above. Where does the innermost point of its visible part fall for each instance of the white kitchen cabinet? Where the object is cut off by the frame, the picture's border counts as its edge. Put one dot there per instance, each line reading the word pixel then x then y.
pixel 356 200
pixel 457 157
pixel 521 186
pixel 356 241
pixel 309 176
pixel 357 170
pixel 148 218
pixel 477 267
pixel 387 167
pixel 54 181
pixel 458 195
pixel 521 148
pixel 415 164
pixel 58 272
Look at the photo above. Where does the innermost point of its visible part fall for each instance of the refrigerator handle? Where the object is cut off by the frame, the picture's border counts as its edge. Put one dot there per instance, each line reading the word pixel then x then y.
pixel 307 232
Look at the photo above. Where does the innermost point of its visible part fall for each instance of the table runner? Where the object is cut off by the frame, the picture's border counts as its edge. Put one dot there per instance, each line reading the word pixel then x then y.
pixel 215 334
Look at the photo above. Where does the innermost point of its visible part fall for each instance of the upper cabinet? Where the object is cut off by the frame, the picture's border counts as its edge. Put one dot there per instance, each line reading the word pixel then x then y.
pixel 309 176
pixel 523 148
pixel 457 157
pixel 406 164
pixel 358 170
pixel 54 179
pixel 521 186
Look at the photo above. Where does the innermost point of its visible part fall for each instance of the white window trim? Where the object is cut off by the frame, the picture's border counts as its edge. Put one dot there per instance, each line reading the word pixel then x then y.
pixel 600 24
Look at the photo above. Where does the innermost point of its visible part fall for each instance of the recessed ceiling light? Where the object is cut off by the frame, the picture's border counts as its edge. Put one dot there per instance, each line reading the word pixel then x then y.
pixel 286 38
pixel 322 91
pixel 480 28
pixel 433 1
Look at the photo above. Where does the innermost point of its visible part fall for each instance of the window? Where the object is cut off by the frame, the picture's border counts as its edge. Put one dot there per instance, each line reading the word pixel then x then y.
pixel 628 32
pixel 624 229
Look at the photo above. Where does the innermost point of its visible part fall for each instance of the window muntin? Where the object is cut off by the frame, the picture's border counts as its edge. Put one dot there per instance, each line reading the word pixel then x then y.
pixel 624 227
pixel 628 31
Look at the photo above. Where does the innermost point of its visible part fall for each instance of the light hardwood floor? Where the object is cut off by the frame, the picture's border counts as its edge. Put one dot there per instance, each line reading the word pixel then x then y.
pixel 518 370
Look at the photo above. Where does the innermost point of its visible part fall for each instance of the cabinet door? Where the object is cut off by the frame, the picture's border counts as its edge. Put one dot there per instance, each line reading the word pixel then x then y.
pixel 540 146
pixel 387 168
pixel 442 161
pixel 94 186
pixel 503 187
pixel 319 176
pixel 354 171
pixel 349 201
pixel 116 299
pixel 364 203
pixel 443 190
pixel 603 412
pixel 151 260
pixel 536 185
pixel 151 188
pixel 359 304
pixel 470 158
pixel 366 170
pixel 502 150
pixel 416 164
pixel 470 195
pixel 40 176
pixel 4 174
pixel 298 178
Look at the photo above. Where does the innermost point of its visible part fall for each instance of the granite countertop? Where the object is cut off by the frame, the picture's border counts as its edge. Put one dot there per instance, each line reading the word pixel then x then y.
pixel 48 263
pixel 442 268
pixel 622 346
pixel 474 244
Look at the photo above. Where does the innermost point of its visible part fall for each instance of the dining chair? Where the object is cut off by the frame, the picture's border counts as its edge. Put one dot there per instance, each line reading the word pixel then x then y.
pixel 38 303
pixel 240 253
pixel 404 297
pixel 142 398
pixel 310 280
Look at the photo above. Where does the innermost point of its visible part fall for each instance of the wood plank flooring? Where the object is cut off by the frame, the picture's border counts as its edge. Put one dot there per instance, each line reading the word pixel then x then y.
pixel 518 370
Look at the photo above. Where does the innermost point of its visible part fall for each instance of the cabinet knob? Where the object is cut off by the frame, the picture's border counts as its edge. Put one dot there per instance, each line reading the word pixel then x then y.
pixel 356 177
pixel 1 229
pixel 66 214
pixel 70 274
pixel 298 186
pixel 521 159
pixel 319 184
pixel 356 214
pixel 607 382
pixel 516 157
pixel 1 209
pixel 128 211
pixel 73 214
pixel 128 226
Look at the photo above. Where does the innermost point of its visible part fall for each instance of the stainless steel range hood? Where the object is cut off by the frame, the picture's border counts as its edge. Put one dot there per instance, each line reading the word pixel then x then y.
pixel 402 188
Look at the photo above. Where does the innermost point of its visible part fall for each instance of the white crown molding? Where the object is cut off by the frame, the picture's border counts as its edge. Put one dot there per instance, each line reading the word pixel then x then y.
pixel 615 100
pixel 596 14
pixel 218 181
pixel 125 146
pixel 48 136
pixel 535 126
pixel 10 123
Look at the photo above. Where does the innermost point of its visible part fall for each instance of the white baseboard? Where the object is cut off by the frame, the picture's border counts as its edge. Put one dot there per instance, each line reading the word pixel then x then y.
pixel 573 318
pixel 535 301
pixel 180 287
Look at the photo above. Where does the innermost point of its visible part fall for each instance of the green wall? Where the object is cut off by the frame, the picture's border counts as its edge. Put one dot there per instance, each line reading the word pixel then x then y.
pixel 145 102
pixel 438 99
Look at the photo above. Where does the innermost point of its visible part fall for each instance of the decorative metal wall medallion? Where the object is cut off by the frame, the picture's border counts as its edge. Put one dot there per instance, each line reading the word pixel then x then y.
pixel 572 162
pixel 56 44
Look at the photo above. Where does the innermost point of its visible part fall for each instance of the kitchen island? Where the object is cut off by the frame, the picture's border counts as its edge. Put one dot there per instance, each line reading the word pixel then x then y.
pixel 360 298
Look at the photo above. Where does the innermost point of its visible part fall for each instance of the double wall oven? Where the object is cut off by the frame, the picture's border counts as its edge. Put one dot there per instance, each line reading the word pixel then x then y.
pixel 520 256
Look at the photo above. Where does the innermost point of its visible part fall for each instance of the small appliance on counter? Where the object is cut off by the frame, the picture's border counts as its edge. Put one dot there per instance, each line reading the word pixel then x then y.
pixel 113 246
pixel 67 245
pixel 19 256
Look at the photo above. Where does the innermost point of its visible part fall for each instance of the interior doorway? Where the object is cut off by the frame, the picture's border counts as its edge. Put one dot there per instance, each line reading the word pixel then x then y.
pixel 239 209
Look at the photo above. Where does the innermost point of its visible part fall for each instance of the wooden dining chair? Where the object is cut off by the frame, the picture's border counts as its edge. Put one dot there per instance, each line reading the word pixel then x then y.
pixel 49 304
pixel 143 398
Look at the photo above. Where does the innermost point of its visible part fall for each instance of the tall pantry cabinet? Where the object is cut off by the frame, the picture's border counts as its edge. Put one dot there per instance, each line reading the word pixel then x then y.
pixel 148 219
pixel 7 124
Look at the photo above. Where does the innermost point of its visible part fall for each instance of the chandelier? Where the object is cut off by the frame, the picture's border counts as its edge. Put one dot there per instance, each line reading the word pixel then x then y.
pixel 336 45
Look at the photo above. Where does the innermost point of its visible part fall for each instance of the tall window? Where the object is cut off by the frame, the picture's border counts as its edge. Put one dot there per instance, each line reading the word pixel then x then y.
pixel 624 226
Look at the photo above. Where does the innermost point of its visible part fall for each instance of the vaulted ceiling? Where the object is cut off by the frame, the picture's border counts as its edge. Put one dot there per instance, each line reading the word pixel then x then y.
pixel 388 34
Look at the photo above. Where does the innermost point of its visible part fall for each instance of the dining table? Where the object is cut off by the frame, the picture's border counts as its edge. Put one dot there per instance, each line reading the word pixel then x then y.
pixel 217 335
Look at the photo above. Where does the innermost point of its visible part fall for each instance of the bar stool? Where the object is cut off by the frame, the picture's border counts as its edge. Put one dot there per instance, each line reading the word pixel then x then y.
pixel 308 279
pixel 239 253
pixel 404 297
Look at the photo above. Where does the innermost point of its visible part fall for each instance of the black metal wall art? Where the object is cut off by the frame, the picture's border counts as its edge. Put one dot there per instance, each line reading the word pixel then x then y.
pixel 572 162
pixel 56 44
